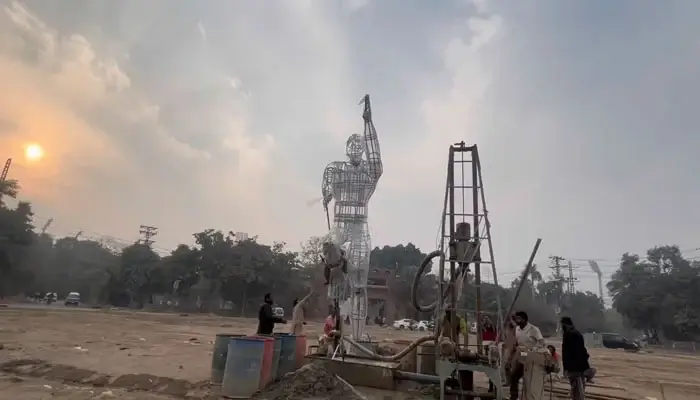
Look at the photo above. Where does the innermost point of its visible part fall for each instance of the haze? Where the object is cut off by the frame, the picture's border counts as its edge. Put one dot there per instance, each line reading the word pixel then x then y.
pixel 189 115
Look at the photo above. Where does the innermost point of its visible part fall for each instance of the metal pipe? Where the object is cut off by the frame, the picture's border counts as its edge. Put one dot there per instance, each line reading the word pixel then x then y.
pixel 416 377
pixel 453 273
pixel 477 255
pixel 526 272
pixel 395 357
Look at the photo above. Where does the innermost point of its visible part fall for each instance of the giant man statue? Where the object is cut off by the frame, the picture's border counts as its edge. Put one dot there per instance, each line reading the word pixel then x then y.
pixel 351 184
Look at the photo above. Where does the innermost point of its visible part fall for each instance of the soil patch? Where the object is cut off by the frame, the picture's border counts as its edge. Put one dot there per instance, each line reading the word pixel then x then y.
pixel 132 382
pixel 311 381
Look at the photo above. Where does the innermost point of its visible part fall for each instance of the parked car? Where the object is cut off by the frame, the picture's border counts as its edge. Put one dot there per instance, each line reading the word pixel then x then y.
pixel 405 323
pixel 73 299
pixel 423 326
pixel 617 341
pixel 50 297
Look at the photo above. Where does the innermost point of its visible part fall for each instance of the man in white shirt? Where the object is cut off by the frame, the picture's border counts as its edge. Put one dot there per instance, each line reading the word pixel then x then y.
pixel 529 337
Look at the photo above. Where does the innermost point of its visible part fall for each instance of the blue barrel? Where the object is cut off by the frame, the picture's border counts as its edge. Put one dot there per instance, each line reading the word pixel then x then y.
pixel 276 357
pixel 243 367
pixel 218 357
pixel 288 352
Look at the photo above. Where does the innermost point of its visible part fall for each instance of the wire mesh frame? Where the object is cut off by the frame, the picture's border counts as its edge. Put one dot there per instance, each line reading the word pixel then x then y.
pixel 351 184
pixel 465 201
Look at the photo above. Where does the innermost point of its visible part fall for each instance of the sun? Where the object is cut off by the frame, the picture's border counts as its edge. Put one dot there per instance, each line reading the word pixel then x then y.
pixel 33 152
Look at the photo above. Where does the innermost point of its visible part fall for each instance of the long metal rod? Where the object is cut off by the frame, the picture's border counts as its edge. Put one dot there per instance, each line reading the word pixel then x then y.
pixel 524 276
pixel 453 273
pixel 477 255
pixel 441 268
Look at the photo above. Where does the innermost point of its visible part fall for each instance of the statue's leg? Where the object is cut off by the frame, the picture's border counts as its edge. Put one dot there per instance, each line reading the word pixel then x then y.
pixel 338 288
pixel 358 256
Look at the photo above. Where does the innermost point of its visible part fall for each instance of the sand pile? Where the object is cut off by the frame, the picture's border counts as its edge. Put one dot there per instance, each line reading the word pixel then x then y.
pixel 311 381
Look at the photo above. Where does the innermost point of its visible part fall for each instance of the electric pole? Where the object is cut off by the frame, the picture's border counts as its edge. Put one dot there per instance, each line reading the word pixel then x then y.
pixel 147 232
pixel 556 267
pixel 571 281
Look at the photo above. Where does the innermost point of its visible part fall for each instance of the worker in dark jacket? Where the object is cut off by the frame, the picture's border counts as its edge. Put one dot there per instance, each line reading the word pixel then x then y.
pixel 266 318
pixel 574 358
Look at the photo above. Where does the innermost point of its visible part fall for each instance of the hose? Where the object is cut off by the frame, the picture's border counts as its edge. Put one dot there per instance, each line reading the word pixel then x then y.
pixel 395 357
pixel 416 283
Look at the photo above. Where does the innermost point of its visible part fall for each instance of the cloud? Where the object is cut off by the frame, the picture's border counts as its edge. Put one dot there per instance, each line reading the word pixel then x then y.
pixel 583 116
pixel 101 128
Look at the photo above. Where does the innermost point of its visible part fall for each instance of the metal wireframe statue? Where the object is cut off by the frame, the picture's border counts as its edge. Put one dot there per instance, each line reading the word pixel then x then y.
pixel 351 184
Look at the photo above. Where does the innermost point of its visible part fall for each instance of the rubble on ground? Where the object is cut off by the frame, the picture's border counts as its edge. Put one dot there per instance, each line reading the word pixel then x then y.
pixel 312 381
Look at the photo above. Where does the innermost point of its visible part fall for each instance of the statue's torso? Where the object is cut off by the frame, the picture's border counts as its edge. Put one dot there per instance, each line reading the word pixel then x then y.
pixel 352 188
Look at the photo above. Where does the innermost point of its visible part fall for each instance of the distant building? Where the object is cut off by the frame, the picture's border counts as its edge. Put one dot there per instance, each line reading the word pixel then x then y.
pixel 240 236
pixel 380 301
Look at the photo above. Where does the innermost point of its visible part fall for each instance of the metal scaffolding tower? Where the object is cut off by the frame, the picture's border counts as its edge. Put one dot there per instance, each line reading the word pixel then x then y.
pixel 466 230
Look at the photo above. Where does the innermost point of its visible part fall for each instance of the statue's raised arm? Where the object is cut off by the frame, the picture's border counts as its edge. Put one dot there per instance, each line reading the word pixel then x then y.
pixel 374 155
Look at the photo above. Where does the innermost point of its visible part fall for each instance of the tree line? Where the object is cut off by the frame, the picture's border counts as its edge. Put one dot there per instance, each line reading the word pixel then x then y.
pixel 654 295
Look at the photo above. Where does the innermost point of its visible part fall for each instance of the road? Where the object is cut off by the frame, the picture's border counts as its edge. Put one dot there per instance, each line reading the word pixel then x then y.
pixel 43 306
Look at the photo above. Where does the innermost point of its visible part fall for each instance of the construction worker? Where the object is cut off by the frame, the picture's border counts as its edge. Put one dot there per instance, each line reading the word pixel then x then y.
pixel 453 326
pixel 325 341
pixel 266 318
pixel 298 320
pixel 574 358
pixel 333 257
pixel 529 337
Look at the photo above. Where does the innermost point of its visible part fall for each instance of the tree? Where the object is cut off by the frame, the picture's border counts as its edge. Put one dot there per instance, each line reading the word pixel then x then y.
pixel 659 295
pixel 9 188
pixel 396 256
pixel 16 236
pixel 137 264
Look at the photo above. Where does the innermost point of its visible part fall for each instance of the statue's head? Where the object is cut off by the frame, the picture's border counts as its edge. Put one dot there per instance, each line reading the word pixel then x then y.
pixel 354 148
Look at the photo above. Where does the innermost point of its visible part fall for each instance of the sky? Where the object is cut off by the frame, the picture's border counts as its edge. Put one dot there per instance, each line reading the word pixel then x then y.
pixel 223 114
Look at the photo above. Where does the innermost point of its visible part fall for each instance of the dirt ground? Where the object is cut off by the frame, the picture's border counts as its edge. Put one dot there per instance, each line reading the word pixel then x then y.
pixel 147 356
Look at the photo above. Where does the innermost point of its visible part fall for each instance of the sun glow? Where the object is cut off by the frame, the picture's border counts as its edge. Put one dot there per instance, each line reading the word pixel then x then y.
pixel 33 152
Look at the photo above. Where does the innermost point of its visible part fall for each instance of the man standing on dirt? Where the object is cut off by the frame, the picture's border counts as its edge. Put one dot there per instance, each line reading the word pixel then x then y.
pixel 298 321
pixel 574 358
pixel 266 317
pixel 529 337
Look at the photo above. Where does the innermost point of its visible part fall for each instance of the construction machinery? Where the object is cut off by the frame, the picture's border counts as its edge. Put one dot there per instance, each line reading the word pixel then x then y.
pixel 464 253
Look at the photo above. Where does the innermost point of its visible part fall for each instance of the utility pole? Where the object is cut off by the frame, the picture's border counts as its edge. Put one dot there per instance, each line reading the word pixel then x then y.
pixel 556 266
pixel 147 232
pixel 571 281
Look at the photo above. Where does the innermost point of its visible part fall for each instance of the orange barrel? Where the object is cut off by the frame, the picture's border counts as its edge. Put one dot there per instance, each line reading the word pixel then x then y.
pixel 266 370
pixel 244 363
pixel 301 351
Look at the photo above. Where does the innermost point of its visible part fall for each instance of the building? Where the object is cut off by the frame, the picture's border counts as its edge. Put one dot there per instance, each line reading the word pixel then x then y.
pixel 381 285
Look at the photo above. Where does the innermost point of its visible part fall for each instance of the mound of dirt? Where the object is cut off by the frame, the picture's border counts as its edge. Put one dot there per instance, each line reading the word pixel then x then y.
pixel 311 381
